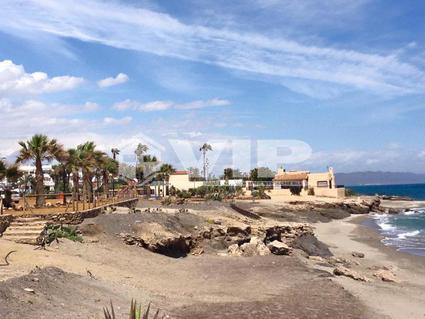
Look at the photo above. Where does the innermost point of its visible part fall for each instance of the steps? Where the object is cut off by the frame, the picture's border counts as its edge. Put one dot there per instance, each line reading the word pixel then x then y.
pixel 25 230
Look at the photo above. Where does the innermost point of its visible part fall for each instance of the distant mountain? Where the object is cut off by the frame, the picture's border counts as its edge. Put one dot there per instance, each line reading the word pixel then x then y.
pixel 378 178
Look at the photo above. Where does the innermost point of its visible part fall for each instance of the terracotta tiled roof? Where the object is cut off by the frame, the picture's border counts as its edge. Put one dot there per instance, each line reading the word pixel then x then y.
pixel 291 177
pixel 180 173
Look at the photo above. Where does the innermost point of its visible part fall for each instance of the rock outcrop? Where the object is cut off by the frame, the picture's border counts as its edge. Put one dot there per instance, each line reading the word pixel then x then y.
pixel 343 271
pixel 254 248
pixel 386 275
pixel 158 239
pixel 279 248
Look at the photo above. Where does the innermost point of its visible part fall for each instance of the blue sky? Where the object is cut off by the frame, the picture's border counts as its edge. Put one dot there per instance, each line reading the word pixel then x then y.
pixel 347 78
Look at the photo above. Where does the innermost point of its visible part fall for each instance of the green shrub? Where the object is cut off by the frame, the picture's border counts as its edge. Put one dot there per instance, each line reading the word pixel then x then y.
pixel 58 231
pixel 166 201
pixel 311 191
pixel 349 192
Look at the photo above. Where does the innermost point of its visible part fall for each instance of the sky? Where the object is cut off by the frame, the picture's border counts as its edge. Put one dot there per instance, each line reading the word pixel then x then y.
pixel 307 84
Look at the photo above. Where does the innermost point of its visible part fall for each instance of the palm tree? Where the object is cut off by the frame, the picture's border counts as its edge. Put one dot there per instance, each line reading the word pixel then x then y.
pixel 164 173
pixel 39 149
pixel 109 167
pixel 74 166
pixel 89 162
pixel 141 149
pixel 3 169
pixel 204 149
pixel 166 170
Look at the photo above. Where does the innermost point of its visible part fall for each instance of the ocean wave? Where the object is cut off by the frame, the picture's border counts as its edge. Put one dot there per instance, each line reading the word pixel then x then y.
pixel 413 211
pixel 408 234
pixel 384 224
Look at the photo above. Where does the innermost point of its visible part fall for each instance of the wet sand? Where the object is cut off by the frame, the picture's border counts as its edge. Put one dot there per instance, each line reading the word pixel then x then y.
pixel 395 300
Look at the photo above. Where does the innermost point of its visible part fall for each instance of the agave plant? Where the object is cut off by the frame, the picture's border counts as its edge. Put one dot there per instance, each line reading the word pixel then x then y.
pixel 135 312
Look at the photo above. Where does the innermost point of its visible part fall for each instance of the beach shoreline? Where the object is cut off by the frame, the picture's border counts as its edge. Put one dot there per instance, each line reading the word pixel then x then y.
pixel 393 300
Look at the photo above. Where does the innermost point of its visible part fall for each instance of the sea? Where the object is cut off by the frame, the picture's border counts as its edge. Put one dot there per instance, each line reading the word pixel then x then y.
pixel 405 231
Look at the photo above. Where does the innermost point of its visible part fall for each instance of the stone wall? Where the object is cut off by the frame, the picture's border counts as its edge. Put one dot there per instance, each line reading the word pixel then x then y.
pixel 329 192
pixel 4 222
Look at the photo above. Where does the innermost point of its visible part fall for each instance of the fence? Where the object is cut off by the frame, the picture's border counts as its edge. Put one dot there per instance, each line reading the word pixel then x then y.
pixel 66 202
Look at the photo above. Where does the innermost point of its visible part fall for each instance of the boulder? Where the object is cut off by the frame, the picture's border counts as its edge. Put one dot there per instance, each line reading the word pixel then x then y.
pixel 342 271
pixel 311 245
pixel 279 248
pixel 357 254
pixel 254 248
pixel 386 275
pixel 286 233
pixel 234 250
pixel 316 258
pixel 236 231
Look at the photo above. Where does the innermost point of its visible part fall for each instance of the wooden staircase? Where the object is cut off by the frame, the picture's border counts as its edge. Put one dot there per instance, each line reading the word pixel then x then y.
pixel 26 230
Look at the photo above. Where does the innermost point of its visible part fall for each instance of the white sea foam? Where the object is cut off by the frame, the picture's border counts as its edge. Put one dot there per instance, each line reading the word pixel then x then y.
pixel 383 223
pixel 408 234
pixel 410 212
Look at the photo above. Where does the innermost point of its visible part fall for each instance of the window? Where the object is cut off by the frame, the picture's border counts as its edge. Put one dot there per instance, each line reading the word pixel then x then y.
pixel 322 183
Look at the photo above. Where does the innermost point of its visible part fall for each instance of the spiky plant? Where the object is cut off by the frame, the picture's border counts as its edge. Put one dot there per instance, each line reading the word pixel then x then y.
pixel 135 312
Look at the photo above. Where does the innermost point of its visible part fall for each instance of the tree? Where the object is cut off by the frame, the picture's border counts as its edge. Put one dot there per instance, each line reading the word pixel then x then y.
pixel 2 170
pixel 165 171
pixel 109 167
pixel 228 173
pixel 89 162
pixel 141 150
pixel 40 149
pixel 74 166
pixel 261 174
pixel 115 152
pixel 10 172
pixel 204 149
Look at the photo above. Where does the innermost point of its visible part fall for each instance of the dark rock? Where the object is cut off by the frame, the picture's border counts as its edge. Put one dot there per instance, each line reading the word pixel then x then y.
pixel 235 231
pixel 279 248
pixel 311 245
pixel 357 254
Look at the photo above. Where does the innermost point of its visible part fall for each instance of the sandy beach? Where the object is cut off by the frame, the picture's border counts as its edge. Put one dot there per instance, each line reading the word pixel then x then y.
pixel 394 300
pixel 213 285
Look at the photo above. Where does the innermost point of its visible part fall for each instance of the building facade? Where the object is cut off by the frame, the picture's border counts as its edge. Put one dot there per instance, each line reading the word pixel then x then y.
pixel 307 183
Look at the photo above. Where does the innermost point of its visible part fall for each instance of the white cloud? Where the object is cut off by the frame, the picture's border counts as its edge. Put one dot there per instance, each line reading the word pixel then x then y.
pixel 117 121
pixel 21 120
pixel 90 106
pixel 125 105
pixel 123 26
pixel 166 105
pixel 112 81
pixel 200 104
pixel 155 106
pixel 15 81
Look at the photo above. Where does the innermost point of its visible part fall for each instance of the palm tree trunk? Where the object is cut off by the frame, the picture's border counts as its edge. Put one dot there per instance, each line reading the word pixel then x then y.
pixel 64 177
pixel 39 183
pixel 106 184
pixel 75 182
